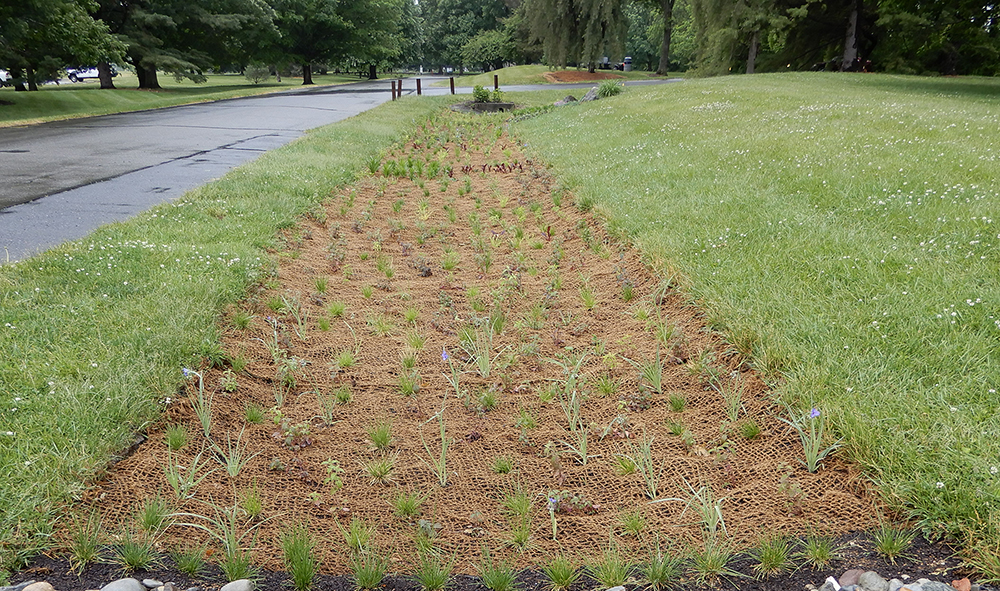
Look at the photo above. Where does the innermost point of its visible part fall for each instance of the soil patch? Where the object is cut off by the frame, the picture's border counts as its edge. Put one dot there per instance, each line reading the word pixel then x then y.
pixel 459 288
pixel 579 76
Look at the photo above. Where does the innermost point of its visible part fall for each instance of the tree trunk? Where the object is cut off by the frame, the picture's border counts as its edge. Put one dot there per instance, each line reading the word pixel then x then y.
pixel 30 74
pixel 372 72
pixel 667 7
pixel 18 76
pixel 307 74
pixel 592 67
pixel 277 73
pixel 851 39
pixel 104 73
pixel 147 77
pixel 752 55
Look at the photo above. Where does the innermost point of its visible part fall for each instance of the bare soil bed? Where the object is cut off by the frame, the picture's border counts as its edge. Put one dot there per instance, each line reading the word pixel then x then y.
pixel 459 288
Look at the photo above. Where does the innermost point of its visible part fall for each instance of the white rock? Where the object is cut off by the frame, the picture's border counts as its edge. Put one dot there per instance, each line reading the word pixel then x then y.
pixel 124 585
pixel 240 585
pixel 41 586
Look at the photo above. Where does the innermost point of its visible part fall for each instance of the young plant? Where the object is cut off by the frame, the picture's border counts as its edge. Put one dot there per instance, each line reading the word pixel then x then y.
pixel 811 429
pixel 152 516
pixel 415 341
pixel 633 522
pixel 380 469
pixel 301 563
pixel 818 552
pixel 438 462
pixel 176 436
pixel 588 297
pixel 190 560
pixel 135 551
pixel 236 459
pixel 380 436
pixel 368 569
pixel 517 503
pixel 711 564
pixel 432 573
pixel 336 308
pixel 253 413
pixel 227 527
pixel 407 505
pixel 774 557
pixel 677 402
pixel 496 576
pixel 892 542
pixel 624 465
pixel 409 383
pixel 251 501
pixel 732 396
pixel 202 406
pixel 750 430
pixel 502 465
pixel 357 535
pixel 642 457
pixel 345 359
pixel 607 385
pixel 85 541
pixel 183 480
pixel 561 573
pixel 662 570
pixel 612 570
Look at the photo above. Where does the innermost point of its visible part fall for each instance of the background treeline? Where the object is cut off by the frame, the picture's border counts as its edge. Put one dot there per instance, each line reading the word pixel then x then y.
pixel 187 38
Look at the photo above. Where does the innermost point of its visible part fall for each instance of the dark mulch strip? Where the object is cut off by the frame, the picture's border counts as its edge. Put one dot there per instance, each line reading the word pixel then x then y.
pixel 935 561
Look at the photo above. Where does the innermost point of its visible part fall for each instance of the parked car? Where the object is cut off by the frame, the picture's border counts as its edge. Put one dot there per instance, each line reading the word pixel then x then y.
pixel 4 77
pixel 81 74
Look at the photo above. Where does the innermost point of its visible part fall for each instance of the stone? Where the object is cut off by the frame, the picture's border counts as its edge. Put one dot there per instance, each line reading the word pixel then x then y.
pixel 895 585
pixel 152 583
pixel 590 96
pixel 872 581
pixel 912 587
pixel 935 586
pixel 167 587
pixel 962 584
pixel 850 577
pixel 562 103
pixel 830 584
pixel 240 585
pixel 40 586
pixel 124 585
pixel 618 588
pixel 18 587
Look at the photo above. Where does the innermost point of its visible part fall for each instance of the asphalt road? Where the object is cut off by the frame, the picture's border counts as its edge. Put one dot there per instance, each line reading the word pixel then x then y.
pixel 59 181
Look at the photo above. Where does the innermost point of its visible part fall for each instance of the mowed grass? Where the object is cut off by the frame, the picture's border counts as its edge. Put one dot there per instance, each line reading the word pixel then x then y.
pixel 85 99
pixel 94 333
pixel 530 74
pixel 842 230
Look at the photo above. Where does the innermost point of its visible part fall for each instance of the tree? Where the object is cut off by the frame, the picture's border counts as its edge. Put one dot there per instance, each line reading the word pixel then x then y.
pixel 184 37
pixel 333 31
pixel 39 38
pixel 450 24
pixel 490 49
pixel 580 31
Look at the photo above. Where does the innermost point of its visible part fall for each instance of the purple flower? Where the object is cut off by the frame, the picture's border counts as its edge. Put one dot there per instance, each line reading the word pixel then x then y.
pixel 187 372
pixel 444 355
pixel 814 413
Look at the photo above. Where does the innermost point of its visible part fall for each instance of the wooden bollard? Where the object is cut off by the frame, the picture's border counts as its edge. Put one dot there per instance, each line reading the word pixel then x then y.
pixel 418 86
pixel 496 82
pixel 452 80
pixel 393 89
pixel 399 88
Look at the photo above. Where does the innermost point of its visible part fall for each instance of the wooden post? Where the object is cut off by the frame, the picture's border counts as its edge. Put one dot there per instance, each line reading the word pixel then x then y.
pixel 399 88
pixel 496 82
pixel 393 89
pixel 452 80
pixel 418 86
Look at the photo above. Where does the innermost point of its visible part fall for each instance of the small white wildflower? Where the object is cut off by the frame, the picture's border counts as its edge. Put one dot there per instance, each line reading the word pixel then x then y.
pixel 993 469
pixel 939 485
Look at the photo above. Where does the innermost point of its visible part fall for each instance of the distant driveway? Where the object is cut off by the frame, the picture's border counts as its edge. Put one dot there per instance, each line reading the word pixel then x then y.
pixel 59 181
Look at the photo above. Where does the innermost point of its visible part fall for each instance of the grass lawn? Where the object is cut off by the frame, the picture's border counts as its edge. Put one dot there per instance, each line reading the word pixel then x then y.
pixel 85 99
pixel 844 230
pixel 531 74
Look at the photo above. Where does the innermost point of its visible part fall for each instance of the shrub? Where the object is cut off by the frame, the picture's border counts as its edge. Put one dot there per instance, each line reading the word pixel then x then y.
pixel 257 73
pixel 609 88
pixel 480 94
